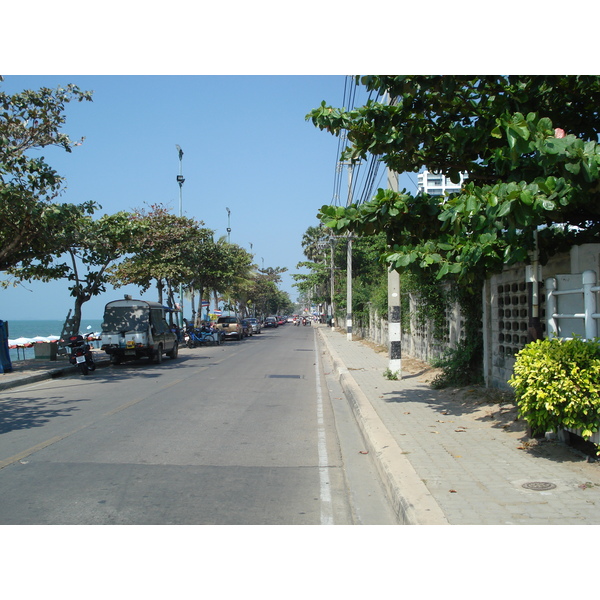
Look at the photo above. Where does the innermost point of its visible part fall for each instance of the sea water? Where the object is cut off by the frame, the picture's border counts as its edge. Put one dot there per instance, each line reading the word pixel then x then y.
pixel 32 328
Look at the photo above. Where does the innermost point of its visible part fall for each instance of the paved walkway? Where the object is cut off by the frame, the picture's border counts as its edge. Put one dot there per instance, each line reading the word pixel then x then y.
pixel 440 465
pixel 36 369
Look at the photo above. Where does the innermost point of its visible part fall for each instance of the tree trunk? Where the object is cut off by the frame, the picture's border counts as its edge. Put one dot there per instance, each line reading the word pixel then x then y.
pixel 76 319
pixel 200 307
pixel 193 304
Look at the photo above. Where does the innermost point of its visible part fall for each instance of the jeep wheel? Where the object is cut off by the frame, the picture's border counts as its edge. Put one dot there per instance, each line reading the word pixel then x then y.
pixel 158 354
pixel 173 354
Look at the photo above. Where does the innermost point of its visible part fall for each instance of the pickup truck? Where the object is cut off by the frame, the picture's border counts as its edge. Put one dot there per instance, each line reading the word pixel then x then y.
pixel 231 327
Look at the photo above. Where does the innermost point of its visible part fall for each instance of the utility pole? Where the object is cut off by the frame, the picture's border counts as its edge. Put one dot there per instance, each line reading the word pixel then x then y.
pixel 394 328
pixel 394 325
pixel 331 280
pixel 349 262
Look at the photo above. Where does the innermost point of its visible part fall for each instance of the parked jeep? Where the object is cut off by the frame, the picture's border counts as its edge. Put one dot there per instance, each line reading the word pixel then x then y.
pixel 134 329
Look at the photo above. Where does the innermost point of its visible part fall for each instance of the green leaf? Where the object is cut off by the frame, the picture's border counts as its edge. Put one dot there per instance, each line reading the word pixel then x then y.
pixel 504 209
pixel 548 205
pixel 443 271
pixel 526 197
pixel 471 205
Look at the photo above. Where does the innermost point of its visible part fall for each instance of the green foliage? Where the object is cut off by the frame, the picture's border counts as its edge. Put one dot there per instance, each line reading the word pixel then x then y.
pixel 31 222
pixel 557 385
pixel 432 301
pixel 91 247
pixel 528 143
pixel 391 375
pixel 460 366
pixel 160 251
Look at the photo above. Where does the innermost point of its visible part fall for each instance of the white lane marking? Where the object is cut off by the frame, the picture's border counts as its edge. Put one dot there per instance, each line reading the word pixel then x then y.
pixel 325 488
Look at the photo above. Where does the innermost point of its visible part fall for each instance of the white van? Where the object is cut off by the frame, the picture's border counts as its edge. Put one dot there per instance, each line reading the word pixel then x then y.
pixel 134 329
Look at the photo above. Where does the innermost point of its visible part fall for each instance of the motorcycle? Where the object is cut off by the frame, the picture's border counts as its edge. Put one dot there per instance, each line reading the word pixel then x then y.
pixel 81 354
pixel 199 336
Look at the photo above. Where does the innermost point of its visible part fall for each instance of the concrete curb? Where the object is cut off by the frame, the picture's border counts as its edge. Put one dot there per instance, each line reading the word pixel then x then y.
pixel 408 495
pixel 32 378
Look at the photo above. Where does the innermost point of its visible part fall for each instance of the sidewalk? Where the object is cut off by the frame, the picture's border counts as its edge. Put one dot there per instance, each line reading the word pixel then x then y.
pixel 35 369
pixel 447 462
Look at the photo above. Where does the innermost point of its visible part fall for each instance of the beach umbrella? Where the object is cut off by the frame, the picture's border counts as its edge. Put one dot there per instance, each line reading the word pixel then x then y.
pixel 38 339
pixel 21 342
pixel 53 338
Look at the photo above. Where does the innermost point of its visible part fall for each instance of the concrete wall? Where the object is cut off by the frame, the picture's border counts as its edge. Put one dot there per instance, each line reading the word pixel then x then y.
pixel 508 309
pixel 507 312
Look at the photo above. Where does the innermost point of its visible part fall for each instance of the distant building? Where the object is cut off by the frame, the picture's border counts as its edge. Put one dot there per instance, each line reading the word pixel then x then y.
pixel 436 184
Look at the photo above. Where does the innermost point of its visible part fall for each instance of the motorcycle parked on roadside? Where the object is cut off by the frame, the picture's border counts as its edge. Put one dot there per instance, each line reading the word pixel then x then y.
pixel 199 336
pixel 81 354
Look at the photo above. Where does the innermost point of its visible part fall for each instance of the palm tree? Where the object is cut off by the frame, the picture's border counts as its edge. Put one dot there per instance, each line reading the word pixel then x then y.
pixel 314 251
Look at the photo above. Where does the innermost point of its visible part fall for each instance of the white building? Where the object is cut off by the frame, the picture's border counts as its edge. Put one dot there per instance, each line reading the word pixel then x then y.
pixel 436 184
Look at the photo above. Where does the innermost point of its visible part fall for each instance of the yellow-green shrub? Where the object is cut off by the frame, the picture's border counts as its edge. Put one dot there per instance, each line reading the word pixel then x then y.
pixel 557 385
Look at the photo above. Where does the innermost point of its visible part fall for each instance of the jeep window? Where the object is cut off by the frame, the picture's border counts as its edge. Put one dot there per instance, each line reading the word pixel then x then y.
pixel 125 318
pixel 158 322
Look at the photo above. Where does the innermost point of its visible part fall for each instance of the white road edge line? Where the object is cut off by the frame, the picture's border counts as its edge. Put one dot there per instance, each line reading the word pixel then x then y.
pixel 325 488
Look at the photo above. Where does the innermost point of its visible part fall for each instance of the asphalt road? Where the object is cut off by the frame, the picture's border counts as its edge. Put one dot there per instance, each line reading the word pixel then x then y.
pixel 251 432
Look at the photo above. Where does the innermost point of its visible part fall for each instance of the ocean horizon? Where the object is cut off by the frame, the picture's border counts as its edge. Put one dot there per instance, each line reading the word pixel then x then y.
pixel 30 328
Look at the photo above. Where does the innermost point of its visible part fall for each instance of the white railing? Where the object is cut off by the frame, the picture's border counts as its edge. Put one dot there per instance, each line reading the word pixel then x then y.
pixel 588 303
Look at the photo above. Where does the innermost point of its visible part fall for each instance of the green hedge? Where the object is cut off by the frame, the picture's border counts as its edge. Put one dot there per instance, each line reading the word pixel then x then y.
pixel 557 385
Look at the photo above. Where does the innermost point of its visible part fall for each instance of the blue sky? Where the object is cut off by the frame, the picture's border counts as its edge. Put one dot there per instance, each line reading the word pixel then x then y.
pixel 238 83
pixel 246 144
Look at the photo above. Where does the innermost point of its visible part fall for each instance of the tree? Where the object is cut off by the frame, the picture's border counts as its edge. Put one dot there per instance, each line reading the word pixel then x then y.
pixel 160 252
pixel 238 280
pixel 530 147
pixel 264 294
pixel 312 243
pixel 31 222
pixel 92 246
pixel 367 269
pixel 209 265
pixel 526 175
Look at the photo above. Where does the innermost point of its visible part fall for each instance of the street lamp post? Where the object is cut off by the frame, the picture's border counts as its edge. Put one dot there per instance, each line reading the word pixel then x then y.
pixel 180 181
pixel 228 225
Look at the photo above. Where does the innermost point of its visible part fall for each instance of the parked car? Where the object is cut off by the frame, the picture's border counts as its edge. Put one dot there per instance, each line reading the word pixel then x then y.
pixel 255 324
pixel 270 322
pixel 231 327
pixel 133 329
pixel 247 328
pixel 281 320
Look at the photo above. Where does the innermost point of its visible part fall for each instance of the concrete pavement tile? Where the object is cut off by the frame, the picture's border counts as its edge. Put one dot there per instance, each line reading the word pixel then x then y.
pixel 450 451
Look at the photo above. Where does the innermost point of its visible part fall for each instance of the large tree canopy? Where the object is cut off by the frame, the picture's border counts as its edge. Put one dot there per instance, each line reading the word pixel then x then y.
pixel 528 143
pixel 160 251
pixel 31 222
pixel 92 246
